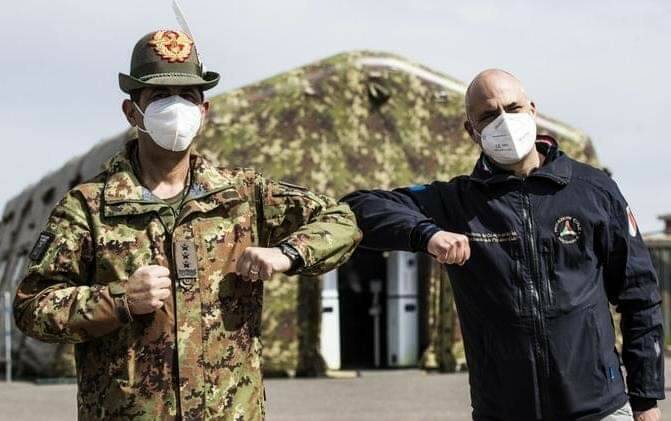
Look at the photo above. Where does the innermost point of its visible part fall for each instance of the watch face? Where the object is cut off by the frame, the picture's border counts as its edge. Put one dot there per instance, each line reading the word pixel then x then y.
pixel 287 251
pixel 293 255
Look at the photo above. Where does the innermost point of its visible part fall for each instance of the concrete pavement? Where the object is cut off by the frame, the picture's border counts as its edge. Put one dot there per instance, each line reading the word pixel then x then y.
pixel 392 395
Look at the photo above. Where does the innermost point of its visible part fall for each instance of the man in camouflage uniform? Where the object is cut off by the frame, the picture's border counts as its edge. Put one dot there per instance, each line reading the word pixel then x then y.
pixel 152 268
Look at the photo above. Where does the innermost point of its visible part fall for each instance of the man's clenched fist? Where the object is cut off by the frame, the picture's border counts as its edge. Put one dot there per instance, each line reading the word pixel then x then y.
pixel 260 263
pixel 450 248
pixel 148 288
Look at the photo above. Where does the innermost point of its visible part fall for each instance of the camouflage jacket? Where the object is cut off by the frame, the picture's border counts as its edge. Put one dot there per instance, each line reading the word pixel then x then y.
pixel 199 356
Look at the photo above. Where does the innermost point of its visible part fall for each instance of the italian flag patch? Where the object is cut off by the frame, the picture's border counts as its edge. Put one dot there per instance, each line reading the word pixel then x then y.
pixel 633 226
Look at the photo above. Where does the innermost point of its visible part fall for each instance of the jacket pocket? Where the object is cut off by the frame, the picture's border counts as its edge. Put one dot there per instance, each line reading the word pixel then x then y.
pixel 595 344
pixel 576 360
pixel 549 275
pixel 225 199
pixel 609 358
pixel 518 284
pixel 510 268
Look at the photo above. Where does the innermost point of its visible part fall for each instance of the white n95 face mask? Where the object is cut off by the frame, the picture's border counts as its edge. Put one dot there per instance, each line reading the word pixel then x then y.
pixel 172 122
pixel 509 138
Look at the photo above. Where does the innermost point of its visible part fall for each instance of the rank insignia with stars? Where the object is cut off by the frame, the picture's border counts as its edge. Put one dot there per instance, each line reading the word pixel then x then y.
pixel 185 259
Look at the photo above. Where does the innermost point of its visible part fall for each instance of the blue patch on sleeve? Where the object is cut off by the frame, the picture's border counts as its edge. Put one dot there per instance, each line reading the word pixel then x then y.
pixel 417 188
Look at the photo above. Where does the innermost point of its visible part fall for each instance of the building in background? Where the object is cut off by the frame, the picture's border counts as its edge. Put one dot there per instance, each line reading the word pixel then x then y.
pixel 355 120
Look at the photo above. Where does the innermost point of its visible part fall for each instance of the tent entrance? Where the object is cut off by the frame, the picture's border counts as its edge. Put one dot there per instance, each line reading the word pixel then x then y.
pixel 371 312
pixel 362 286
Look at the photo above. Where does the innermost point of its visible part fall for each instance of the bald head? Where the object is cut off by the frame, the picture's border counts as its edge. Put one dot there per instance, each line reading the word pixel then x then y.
pixel 491 92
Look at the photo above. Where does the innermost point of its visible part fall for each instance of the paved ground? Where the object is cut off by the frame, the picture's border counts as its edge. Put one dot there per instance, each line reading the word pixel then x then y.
pixel 377 395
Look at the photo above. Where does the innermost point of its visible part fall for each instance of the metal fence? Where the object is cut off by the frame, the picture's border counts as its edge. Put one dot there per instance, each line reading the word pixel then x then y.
pixel 6 346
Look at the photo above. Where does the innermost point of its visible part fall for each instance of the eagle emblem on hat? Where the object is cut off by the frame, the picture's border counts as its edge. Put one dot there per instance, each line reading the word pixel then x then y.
pixel 172 46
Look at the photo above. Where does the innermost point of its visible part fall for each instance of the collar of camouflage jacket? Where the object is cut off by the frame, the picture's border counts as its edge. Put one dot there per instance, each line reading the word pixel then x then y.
pixel 124 194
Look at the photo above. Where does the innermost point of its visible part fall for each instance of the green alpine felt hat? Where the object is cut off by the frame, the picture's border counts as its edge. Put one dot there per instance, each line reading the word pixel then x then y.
pixel 166 58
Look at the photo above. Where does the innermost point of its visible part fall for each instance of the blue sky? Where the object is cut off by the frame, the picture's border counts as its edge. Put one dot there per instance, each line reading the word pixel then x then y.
pixel 601 66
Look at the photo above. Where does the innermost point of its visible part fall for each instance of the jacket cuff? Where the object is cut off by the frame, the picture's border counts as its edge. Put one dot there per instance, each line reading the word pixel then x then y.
pixel 118 293
pixel 639 404
pixel 421 234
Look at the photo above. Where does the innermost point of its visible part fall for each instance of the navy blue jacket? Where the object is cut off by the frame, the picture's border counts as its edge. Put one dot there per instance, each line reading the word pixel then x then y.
pixel 548 254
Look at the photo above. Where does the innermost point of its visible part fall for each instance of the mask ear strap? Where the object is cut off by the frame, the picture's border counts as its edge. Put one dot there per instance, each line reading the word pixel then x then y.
pixel 137 107
pixel 203 116
pixel 475 130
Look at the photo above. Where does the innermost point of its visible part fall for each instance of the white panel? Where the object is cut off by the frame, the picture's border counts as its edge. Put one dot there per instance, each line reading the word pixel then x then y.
pixel 330 284
pixel 401 274
pixel 330 329
pixel 402 311
pixel 402 332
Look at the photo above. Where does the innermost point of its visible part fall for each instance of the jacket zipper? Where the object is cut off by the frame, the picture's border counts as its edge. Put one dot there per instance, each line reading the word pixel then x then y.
pixel 173 269
pixel 537 308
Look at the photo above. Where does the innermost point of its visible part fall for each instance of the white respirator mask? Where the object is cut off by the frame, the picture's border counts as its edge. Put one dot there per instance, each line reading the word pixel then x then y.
pixel 172 122
pixel 509 138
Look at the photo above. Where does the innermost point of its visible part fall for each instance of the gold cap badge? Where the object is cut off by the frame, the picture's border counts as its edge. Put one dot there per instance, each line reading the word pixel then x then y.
pixel 173 46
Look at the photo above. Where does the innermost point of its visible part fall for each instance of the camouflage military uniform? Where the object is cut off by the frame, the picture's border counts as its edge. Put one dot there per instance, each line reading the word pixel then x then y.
pixel 200 355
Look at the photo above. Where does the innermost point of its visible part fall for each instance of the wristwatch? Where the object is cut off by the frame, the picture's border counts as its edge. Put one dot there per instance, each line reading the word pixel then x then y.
pixel 293 255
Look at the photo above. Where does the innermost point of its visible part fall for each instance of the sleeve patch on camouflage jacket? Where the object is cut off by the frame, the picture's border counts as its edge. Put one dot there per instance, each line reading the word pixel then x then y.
pixel 41 245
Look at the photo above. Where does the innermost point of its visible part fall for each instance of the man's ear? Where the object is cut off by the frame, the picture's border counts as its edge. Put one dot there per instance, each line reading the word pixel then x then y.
pixel 533 109
pixel 130 112
pixel 204 108
pixel 469 129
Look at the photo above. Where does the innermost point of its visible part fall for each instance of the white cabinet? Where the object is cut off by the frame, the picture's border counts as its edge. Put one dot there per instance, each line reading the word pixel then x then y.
pixel 330 329
pixel 402 310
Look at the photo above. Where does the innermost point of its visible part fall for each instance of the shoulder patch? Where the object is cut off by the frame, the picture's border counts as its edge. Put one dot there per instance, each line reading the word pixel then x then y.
pixel 417 188
pixel 633 226
pixel 41 245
